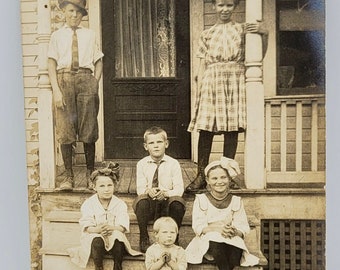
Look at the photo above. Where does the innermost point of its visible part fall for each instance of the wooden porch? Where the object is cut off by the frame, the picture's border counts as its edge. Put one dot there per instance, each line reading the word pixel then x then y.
pixel 127 181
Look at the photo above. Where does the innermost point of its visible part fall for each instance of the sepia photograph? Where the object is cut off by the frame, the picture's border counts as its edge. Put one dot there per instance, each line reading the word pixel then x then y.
pixel 175 134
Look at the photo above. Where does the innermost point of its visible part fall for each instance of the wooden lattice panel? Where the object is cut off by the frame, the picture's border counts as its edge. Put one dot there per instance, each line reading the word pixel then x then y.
pixel 293 244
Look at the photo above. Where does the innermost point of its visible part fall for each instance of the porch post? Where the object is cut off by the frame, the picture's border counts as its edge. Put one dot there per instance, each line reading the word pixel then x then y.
pixel 254 139
pixel 45 118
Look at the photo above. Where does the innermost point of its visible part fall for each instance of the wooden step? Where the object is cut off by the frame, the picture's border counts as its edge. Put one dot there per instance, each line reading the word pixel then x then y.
pixel 57 262
pixel 61 230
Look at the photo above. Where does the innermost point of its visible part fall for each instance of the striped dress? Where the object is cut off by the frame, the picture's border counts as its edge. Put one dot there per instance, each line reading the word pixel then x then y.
pixel 221 102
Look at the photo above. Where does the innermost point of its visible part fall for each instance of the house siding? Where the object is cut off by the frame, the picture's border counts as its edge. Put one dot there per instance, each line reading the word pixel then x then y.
pixel 30 50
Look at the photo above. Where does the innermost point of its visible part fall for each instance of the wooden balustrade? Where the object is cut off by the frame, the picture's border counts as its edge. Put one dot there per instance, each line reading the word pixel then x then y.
pixel 295 139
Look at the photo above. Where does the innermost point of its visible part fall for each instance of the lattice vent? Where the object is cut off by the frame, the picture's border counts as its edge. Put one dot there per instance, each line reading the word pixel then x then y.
pixel 293 244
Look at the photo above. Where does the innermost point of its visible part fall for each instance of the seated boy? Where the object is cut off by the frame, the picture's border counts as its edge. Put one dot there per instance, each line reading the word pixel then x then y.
pixel 159 185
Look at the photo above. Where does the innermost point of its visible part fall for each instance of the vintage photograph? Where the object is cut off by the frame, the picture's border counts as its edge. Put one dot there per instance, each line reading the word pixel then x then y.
pixel 175 134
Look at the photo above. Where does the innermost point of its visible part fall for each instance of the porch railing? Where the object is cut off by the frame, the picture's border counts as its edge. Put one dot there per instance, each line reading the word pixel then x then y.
pixel 295 139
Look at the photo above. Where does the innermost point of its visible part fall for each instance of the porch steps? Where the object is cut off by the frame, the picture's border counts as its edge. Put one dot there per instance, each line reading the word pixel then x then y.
pixel 60 230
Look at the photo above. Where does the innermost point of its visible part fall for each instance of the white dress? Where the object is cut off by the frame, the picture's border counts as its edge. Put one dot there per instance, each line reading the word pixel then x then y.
pixel 204 212
pixel 93 214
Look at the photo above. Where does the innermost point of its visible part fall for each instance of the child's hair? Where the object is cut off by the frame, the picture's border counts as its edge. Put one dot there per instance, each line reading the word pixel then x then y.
pixel 164 220
pixel 215 167
pixel 155 130
pixel 111 171
pixel 236 2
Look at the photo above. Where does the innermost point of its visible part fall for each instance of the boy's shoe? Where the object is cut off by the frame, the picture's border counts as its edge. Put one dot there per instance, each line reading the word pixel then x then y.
pixel 67 184
pixel 144 243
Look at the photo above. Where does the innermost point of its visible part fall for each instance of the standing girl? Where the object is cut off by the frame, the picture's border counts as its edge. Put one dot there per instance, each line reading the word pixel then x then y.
pixel 221 101
pixel 104 222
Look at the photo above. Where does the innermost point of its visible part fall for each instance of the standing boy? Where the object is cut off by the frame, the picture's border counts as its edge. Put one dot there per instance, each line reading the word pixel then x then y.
pixel 75 67
pixel 159 185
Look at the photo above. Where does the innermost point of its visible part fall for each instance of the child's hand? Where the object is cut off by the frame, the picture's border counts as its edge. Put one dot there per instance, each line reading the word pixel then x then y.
pixel 166 257
pixel 58 98
pixel 228 231
pixel 106 230
pixel 256 27
pixel 153 192
pixel 161 195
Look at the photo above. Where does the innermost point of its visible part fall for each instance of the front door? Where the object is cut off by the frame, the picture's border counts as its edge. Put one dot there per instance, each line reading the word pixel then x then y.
pixel 146 74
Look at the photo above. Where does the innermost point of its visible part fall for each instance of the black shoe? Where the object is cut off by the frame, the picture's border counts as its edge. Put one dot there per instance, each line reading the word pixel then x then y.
pixel 144 244
pixel 199 185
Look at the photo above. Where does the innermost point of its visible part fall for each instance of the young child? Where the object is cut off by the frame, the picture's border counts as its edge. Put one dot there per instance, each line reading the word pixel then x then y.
pixel 159 185
pixel 75 67
pixel 164 253
pixel 104 222
pixel 219 222
pixel 220 106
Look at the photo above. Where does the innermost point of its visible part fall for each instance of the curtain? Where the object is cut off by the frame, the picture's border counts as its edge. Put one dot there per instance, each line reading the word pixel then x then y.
pixel 144 38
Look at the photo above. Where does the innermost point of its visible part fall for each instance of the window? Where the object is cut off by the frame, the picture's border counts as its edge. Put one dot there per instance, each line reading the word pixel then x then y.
pixel 301 47
pixel 144 38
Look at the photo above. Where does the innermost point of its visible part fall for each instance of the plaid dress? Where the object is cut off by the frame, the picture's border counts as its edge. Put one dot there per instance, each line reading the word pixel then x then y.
pixel 221 102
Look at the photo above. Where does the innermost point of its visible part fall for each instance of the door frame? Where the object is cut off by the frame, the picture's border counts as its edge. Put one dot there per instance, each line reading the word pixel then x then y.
pixel 196 19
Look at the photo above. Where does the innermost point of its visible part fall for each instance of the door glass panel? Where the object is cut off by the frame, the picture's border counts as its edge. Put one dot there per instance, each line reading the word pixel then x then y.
pixel 144 38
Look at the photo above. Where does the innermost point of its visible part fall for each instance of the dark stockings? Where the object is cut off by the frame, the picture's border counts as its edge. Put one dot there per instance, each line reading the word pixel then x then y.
pixel 90 149
pixel 66 152
pixel 226 256
pixel 98 251
pixel 230 144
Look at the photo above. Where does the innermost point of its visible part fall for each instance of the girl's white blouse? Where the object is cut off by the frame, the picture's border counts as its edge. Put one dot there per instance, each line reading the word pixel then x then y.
pixel 204 212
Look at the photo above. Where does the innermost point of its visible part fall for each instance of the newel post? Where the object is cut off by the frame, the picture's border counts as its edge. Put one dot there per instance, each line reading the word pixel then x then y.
pixel 46 131
pixel 254 139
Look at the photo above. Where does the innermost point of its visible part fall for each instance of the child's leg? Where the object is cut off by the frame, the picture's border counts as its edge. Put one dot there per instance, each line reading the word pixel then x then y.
pixel 204 148
pixel 234 254
pixel 229 151
pixel 225 256
pixel 230 144
pixel 97 252
pixel 176 211
pixel 66 152
pixel 118 251
pixel 144 211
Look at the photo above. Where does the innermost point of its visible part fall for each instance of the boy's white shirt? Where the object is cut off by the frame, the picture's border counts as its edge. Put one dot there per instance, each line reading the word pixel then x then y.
pixel 169 176
pixel 60 47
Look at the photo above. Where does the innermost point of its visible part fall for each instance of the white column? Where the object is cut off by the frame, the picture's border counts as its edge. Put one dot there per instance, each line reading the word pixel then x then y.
pixel 95 24
pixel 46 131
pixel 196 27
pixel 254 140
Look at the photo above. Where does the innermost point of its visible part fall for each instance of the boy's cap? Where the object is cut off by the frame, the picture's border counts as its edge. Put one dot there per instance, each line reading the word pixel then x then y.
pixel 79 3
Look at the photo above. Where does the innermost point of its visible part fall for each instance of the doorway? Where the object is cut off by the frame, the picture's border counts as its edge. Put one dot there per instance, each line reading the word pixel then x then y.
pixel 146 75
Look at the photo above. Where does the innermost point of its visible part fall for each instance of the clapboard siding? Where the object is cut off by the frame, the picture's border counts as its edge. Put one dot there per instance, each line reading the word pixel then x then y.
pixel 29 28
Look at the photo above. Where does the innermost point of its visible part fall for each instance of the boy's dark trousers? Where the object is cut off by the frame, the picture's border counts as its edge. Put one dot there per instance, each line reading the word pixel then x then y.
pixel 77 121
pixel 147 209
pixel 98 251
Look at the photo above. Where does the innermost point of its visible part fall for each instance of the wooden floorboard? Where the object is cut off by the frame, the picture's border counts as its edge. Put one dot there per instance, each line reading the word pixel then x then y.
pixel 127 181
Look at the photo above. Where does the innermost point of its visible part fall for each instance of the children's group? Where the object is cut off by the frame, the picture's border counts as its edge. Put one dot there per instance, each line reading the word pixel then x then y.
pixel 219 219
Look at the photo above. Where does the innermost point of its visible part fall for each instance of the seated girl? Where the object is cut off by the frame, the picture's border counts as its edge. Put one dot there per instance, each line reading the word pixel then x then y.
pixel 104 222
pixel 219 222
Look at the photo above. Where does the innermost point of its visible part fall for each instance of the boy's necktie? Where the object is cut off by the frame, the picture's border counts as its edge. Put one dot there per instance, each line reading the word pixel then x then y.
pixel 75 57
pixel 155 176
